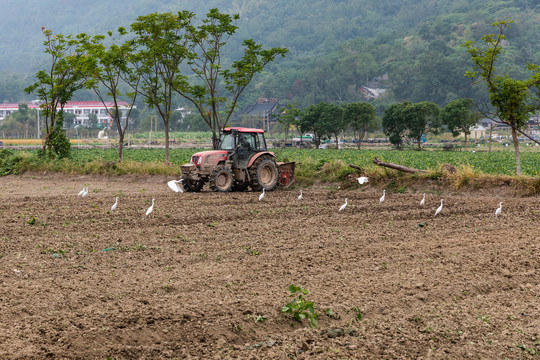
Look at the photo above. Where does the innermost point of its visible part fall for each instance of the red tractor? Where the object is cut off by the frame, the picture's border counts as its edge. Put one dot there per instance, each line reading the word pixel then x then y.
pixel 241 161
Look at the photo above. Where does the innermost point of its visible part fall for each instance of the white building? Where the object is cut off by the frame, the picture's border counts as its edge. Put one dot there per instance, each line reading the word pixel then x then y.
pixel 81 109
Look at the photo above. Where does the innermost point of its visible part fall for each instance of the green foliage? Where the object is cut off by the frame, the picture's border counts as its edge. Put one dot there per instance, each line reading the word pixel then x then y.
pixel 159 46
pixel 104 68
pixel 22 121
pixel 14 162
pixel 513 100
pixel 359 116
pixel 420 119
pixel 216 89
pixel 289 117
pixel 459 117
pixel 55 87
pixel 58 143
pixel 394 123
pixel 299 307
pixel 323 120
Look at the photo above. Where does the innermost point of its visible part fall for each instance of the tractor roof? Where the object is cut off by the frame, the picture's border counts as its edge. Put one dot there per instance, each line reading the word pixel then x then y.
pixel 244 130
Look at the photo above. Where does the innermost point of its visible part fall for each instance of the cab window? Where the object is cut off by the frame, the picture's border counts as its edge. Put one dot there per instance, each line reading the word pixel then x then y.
pixel 226 142
pixel 261 142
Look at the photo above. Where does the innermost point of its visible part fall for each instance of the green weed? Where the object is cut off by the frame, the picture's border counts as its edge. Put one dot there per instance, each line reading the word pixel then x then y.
pixel 299 307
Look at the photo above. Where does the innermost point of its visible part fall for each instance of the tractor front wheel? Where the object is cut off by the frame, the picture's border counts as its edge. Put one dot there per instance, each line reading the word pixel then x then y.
pixel 221 179
pixel 193 185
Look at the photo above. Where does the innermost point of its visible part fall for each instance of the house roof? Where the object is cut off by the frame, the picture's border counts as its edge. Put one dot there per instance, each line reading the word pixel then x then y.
pixel 261 108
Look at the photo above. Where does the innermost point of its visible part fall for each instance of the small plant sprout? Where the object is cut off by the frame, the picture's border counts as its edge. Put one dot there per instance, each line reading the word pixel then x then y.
pixel 359 316
pixel 299 307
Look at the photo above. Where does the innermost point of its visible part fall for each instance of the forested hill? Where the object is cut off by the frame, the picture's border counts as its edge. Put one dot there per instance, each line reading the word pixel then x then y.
pixel 336 45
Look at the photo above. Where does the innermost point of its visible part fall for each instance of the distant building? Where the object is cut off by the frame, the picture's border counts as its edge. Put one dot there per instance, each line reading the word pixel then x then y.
pixel 375 87
pixel 478 132
pixel 263 109
pixel 81 109
pixel 183 111
pixel 370 93
pixel 488 123
pixel 533 127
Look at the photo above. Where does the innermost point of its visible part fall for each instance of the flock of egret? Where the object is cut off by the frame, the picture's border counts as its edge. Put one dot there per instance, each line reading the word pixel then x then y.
pixel 84 192
pixel 362 180
pixel 176 186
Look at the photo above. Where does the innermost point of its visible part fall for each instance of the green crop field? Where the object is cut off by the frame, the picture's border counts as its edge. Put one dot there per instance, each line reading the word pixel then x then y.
pixel 497 162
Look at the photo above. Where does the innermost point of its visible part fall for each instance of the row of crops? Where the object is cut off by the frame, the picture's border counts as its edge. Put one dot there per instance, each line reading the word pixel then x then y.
pixel 498 162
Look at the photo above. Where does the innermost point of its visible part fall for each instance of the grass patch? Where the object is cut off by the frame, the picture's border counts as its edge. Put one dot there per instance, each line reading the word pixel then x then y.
pixel 467 170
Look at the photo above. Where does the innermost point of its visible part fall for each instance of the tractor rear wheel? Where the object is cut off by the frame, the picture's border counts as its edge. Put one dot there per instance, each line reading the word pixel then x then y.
pixel 193 185
pixel 264 174
pixel 221 179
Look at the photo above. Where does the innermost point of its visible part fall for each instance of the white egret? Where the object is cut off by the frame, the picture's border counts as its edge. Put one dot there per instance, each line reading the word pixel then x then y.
pixel 381 200
pixel 499 210
pixel 115 204
pixel 343 206
pixel 151 208
pixel 423 201
pixel 362 180
pixel 176 185
pixel 81 192
pixel 85 192
pixel 439 209
pixel 300 196
pixel 262 195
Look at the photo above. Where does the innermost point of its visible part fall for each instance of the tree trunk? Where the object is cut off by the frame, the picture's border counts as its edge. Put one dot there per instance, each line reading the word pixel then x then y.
pixel 490 132
pixel 516 149
pixel 215 140
pixel 419 140
pixel 120 145
pixel 396 166
pixel 166 123
pixel 465 141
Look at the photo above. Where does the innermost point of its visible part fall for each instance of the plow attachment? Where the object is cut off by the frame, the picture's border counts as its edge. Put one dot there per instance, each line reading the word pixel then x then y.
pixel 286 174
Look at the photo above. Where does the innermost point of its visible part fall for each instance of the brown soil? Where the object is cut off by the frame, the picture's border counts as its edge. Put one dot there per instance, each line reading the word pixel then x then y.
pixel 191 280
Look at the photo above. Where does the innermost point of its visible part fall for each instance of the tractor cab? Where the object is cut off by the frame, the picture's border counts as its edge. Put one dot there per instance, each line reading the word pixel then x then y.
pixel 242 144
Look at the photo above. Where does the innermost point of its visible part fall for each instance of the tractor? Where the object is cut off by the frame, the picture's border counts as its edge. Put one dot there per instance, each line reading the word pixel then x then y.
pixel 242 161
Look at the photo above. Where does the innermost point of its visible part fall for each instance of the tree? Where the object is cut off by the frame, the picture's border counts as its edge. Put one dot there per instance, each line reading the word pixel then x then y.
pixel 194 122
pixel 22 121
pixel 331 118
pixel 459 116
pixel 394 124
pixel 55 87
pixel 420 119
pixel 103 68
pixel 288 117
pixel 359 116
pixel 216 89
pixel 323 119
pixel 158 49
pixel 69 119
pixel 93 122
pixel 513 101
pixel 308 122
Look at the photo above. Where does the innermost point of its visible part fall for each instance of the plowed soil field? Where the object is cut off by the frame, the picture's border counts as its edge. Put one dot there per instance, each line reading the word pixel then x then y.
pixel 206 275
